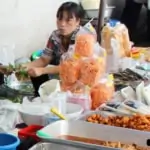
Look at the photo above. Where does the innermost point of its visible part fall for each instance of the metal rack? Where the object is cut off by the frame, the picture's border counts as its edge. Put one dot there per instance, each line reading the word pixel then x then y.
pixel 101 18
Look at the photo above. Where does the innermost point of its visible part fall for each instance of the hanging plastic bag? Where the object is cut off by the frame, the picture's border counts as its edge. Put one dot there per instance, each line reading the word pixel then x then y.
pixel 102 91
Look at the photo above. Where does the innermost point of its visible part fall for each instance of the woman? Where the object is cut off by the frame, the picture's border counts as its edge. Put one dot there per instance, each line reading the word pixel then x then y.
pixel 131 15
pixel 68 23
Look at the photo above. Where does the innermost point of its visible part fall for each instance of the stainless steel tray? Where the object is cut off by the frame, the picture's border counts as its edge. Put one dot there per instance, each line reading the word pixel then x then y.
pixel 52 146
pixel 94 131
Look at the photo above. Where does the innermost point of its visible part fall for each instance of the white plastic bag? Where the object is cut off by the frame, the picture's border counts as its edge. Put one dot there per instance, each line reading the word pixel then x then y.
pixel 47 88
pixel 9 116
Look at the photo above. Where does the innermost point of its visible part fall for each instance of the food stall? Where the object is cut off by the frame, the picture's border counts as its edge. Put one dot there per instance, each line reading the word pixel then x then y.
pixel 100 102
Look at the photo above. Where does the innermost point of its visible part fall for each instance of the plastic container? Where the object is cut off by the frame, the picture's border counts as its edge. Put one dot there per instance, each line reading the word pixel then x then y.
pixel 37 54
pixel 33 114
pixel 29 131
pixel 8 142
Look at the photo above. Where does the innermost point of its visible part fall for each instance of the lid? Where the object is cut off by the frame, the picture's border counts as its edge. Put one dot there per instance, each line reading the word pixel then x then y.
pixel 113 22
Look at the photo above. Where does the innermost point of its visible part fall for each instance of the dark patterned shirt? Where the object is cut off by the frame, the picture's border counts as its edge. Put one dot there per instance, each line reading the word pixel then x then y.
pixel 57 44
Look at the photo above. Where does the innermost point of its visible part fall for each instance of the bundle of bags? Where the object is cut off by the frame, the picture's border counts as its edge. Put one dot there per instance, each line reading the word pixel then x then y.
pixel 119 32
pixel 82 73
pixel 116 42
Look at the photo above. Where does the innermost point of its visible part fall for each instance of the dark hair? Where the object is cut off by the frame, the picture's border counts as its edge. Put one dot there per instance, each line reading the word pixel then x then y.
pixel 73 9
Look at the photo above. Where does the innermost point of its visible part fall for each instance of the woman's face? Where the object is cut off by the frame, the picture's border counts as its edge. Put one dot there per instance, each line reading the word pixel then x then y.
pixel 67 25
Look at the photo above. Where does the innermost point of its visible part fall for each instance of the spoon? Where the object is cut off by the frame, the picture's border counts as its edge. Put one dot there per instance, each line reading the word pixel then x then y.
pixel 56 112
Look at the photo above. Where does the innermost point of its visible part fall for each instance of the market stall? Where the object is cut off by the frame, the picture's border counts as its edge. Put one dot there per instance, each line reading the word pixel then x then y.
pixel 100 101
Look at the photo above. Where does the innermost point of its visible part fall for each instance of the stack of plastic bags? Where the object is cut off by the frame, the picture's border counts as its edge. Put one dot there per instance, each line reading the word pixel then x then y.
pixel 81 72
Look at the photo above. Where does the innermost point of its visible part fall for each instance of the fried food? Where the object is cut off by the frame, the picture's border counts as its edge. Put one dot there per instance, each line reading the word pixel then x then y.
pixel 138 122
pixel 103 143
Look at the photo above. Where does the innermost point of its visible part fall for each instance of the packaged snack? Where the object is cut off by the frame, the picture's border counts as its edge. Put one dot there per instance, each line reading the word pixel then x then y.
pixel 102 92
pixel 121 35
pixel 125 38
pixel 84 45
pixel 106 38
pixel 73 88
pixel 69 71
pixel 91 70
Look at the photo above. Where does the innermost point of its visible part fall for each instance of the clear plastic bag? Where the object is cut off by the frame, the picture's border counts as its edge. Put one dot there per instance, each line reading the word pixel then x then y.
pixel 10 111
pixel 121 35
pixel 121 28
pixel 69 71
pixel 84 45
pixel 106 37
pixel 92 69
pixel 81 96
pixel 102 91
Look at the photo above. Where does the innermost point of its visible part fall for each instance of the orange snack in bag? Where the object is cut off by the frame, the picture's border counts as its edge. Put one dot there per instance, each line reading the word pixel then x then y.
pixel 69 71
pixel 73 88
pixel 91 70
pixel 84 45
pixel 101 93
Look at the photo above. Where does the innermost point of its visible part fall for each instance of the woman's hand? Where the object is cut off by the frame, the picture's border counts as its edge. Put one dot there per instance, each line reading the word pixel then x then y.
pixel 35 72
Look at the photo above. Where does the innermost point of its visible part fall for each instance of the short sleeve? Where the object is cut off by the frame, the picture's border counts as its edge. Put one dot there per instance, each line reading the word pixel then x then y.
pixel 48 51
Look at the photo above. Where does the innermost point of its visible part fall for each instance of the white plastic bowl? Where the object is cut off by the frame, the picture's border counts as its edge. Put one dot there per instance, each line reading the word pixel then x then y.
pixel 35 114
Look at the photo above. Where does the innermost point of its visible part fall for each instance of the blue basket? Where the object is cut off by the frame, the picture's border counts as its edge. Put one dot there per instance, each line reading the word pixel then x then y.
pixel 8 142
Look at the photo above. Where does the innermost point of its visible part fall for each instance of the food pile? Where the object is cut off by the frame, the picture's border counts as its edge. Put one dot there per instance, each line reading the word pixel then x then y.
pixel 84 66
pixel 123 146
pixel 138 122
pixel 103 143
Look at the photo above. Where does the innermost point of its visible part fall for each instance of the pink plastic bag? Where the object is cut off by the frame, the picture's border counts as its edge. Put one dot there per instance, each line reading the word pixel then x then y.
pixel 81 96
pixel 81 99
